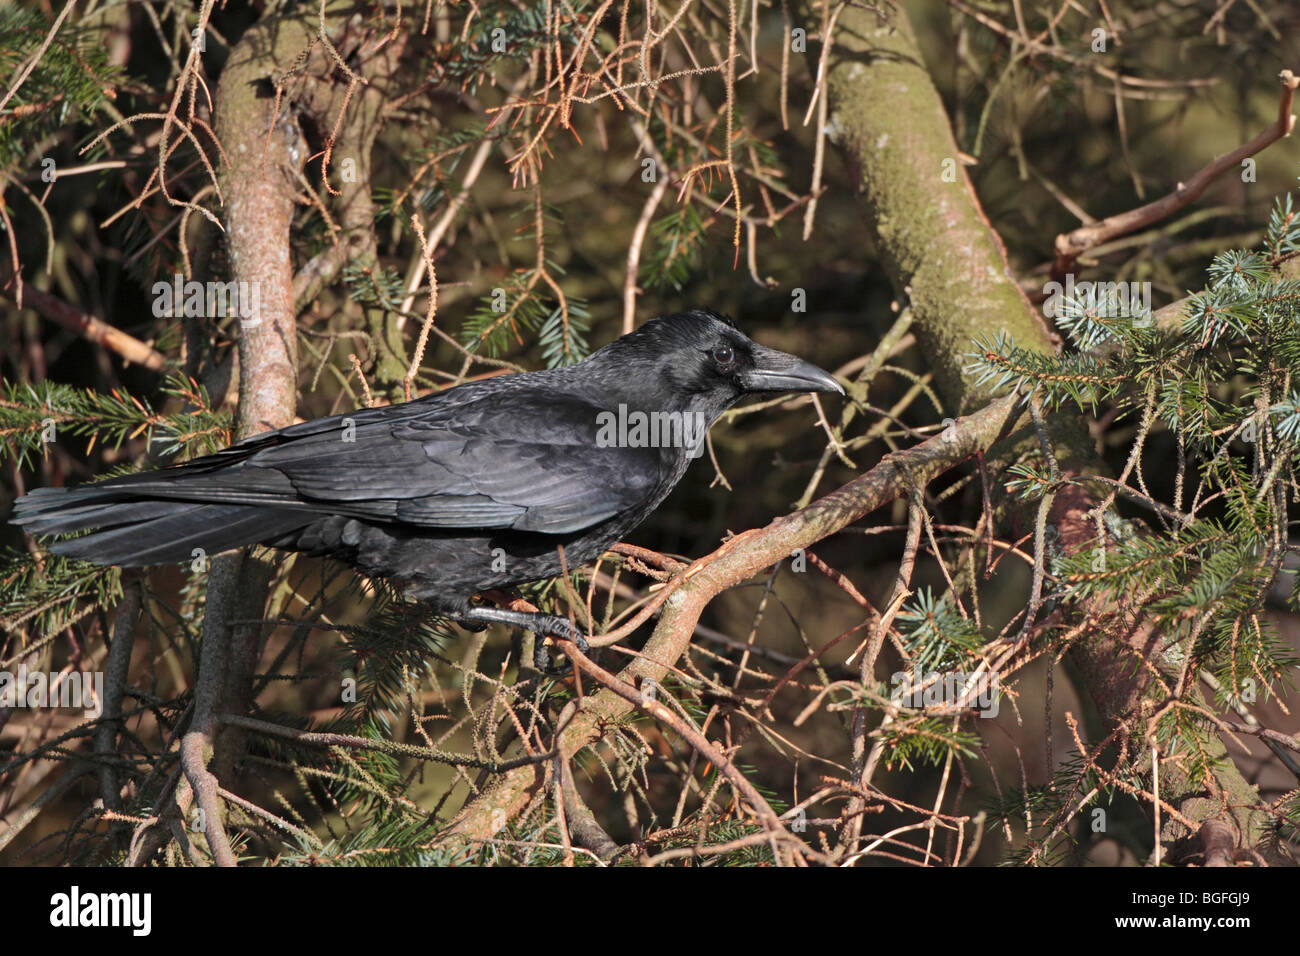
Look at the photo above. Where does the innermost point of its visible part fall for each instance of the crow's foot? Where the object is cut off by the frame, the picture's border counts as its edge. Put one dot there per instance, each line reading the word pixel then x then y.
pixel 539 623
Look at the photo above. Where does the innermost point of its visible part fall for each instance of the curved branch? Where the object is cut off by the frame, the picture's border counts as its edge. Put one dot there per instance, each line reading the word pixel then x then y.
pixel 1070 245
pixel 732 563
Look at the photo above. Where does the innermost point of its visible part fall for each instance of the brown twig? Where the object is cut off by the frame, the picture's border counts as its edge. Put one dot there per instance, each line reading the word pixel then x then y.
pixel 654 708
pixel 1070 245
pixel 426 253
pixel 86 325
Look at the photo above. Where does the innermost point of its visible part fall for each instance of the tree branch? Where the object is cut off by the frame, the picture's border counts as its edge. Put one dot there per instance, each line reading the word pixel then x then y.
pixel 731 564
pixel 1070 245
pixel 86 325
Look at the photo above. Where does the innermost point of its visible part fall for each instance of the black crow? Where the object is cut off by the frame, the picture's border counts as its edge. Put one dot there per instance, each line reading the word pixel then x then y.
pixel 463 491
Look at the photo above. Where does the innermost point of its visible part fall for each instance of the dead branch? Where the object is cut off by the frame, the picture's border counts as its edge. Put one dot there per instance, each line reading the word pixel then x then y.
pixel 1070 245
pixel 86 325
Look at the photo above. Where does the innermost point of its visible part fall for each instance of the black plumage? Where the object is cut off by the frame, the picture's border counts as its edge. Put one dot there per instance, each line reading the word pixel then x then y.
pixel 462 491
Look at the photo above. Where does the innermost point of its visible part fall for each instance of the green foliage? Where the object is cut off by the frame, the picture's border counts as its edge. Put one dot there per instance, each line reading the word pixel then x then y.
pixel 935 633
pixel 46 595
pixel 678 237
pixel 523 30
pixel 388 842
pixel 517 307
pixel 1222 383
pixel 563 339
pixel 756 854
pixel 389 655
pixel 33 415
pixel 926 740
pixel 67 86
pixel 1057 823
pixel 1074 377
pixel 1029 482
pixel 530 301
pixel 374 286
pixel 1287 824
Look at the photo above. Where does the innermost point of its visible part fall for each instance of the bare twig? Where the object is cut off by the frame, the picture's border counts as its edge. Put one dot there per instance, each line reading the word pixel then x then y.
pixel 1069 246
pixel 94 329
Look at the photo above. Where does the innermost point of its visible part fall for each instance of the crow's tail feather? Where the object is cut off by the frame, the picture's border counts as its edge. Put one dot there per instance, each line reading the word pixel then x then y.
pixel 143 532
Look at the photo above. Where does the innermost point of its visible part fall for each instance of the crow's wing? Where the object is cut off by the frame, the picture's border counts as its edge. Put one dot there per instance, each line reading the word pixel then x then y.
pixel 522 459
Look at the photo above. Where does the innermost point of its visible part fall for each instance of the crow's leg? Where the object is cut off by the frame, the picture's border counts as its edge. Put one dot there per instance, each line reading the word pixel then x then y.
pixel 538 622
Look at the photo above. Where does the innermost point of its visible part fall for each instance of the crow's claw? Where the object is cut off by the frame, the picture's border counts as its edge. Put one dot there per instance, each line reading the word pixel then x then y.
pixel 556 627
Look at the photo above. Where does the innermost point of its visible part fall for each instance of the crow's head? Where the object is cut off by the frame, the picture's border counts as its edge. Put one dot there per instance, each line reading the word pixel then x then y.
pixel 700 360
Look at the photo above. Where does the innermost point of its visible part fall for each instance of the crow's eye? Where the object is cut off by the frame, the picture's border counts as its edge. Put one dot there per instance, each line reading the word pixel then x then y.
pixel 724 355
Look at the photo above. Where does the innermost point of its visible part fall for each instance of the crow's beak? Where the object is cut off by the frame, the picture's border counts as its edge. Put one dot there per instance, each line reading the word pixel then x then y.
pixel 775 371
